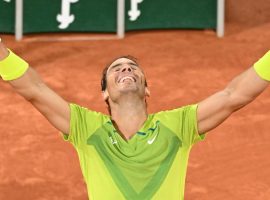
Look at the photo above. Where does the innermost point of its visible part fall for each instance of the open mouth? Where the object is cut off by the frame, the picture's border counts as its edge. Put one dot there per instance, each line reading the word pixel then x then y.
pixel 126 78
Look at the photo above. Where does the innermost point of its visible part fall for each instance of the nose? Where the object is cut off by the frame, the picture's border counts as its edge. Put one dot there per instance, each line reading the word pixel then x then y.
pixel 126 68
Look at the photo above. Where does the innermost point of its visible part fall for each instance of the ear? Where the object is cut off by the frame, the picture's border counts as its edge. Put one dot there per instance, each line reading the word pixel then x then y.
pixel 105 95
pixel 147 92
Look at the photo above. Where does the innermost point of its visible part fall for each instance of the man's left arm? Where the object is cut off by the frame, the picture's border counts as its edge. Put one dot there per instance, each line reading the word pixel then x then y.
pixel 239 92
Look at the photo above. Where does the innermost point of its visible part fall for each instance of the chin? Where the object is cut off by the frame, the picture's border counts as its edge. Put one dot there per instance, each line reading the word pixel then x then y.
pixel 129 89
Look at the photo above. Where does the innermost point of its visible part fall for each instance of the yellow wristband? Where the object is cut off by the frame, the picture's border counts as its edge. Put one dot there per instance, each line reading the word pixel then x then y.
pixel 262 67
pixel 12 67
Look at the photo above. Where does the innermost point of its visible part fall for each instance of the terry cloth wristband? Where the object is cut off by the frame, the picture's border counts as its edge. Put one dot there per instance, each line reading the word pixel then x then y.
pixel 262 67
pixel 12 67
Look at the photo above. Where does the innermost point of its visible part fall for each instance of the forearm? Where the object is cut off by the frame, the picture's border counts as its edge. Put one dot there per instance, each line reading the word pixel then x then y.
pixel 28 84
pixel 245 88
pixel 239 92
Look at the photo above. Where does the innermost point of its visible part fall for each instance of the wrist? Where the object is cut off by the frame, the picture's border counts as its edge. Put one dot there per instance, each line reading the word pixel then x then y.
pixel 262 67
pixel 12 66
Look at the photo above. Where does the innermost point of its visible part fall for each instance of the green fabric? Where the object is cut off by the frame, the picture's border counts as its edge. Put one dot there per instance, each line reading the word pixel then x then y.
pixel 154 159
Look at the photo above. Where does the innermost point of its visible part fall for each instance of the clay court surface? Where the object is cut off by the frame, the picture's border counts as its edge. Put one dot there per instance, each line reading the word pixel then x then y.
pixel 182 67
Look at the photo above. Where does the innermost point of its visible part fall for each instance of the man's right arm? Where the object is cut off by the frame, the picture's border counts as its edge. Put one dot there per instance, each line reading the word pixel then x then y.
pixel 34 90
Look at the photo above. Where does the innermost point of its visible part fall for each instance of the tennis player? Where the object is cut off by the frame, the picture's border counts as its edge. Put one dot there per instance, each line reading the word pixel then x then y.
pixel 130 154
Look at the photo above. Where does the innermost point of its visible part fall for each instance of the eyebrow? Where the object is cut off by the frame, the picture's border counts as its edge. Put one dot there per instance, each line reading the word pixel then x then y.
pixel 119 64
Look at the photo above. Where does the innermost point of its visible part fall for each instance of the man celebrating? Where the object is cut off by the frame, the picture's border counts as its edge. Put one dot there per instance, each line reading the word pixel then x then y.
pixel 131 154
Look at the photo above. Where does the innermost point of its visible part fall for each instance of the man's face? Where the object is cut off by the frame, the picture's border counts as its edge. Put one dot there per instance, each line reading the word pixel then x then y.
pixel 124 76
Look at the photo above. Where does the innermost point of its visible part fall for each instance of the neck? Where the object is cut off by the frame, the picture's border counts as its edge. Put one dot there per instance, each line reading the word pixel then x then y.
pixel 128 115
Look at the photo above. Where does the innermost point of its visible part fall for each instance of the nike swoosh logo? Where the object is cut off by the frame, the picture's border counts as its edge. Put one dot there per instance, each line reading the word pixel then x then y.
pixel 113 141
pixel 152 140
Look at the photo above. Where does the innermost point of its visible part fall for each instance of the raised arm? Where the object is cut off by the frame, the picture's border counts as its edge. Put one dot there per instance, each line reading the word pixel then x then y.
pixel 239 92
pixel 28 84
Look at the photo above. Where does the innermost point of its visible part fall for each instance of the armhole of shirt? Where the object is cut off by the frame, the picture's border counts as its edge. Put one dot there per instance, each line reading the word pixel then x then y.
pixel 199 137
pixel 67 136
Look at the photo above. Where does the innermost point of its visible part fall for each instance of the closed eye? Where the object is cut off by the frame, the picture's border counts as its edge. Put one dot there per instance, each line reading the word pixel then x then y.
pixel 133 67
pixel 117 67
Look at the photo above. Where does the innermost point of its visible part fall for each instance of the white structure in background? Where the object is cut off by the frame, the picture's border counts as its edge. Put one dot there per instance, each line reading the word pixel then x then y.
pixel 7 1
pixel 65 18
pixel 134 12
pixel 120 19
pixel 220 18
pixel 19 19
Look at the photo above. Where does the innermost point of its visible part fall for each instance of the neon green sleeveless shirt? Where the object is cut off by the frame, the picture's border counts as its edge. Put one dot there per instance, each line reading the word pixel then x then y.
pixel 151 165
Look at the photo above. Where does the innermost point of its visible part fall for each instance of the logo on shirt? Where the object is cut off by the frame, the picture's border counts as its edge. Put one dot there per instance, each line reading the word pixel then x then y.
pixel 152 140
pixel 113 141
